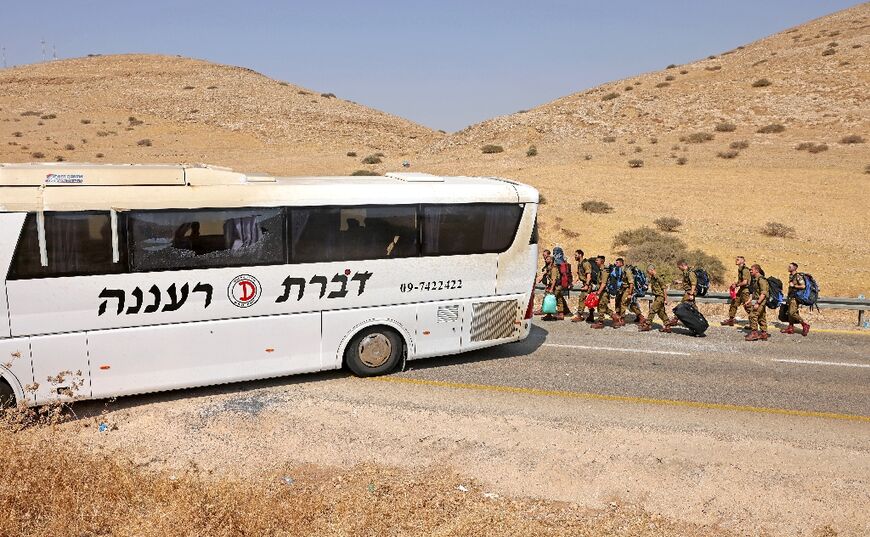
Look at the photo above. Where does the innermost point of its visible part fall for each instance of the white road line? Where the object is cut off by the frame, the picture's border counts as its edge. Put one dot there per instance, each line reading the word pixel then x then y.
pixel 817 362
pixel 618 349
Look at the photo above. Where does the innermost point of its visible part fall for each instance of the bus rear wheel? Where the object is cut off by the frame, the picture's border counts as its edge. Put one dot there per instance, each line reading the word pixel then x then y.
pixel 373 351
pixel 7 395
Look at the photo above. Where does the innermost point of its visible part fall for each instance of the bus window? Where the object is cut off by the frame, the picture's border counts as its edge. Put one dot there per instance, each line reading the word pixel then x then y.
pixel 469 229
pixel 205 238
pixel 77 244
pixel 352 233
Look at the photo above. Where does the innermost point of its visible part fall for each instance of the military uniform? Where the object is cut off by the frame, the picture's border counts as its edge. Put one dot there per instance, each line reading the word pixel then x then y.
pixel 623 296
pixel 659 290
pixel 758 315
pixel 584 271
pixel 690 284
pixel 555 277
pixel 742 297
pixel 795 283
pixel 604 302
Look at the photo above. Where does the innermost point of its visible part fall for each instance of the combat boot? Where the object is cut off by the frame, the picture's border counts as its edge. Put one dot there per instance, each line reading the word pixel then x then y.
pixel 728 322
pixel 644 327
pixel 788 330
pixel 753 336
pixel 762 336
pixel 805 329
pixel 666 329
pixel 673 322
pixel 598 325
pixel 618 321
pixel 577 318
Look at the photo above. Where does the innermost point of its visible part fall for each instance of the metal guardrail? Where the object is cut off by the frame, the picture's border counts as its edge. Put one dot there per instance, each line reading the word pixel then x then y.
pixel 861 304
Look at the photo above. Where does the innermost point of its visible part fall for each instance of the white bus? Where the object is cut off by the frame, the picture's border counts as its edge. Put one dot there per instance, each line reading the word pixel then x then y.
pixel 124 279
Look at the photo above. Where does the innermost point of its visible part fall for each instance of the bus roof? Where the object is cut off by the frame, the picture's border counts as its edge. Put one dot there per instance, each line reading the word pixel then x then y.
pixel 67 186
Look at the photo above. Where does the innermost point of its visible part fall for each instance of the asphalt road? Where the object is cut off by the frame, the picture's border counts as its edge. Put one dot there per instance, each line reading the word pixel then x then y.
pixel 823 372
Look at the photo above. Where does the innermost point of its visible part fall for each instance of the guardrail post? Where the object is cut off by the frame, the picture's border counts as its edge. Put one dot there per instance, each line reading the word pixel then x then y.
pixel 860 318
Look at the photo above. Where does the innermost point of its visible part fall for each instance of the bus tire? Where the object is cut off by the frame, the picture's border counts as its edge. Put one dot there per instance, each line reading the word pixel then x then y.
pixel 7 394
pixel 374 351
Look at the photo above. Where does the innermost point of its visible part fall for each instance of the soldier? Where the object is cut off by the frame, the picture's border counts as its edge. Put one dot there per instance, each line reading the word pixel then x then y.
pixel 759 289
pixel 604 296
pixel 659 289
pixel 796 283
pixel 555 286
pixel 741 287
pixel 689 283
pixel 584 276
pixel 631 300
pixel 545 274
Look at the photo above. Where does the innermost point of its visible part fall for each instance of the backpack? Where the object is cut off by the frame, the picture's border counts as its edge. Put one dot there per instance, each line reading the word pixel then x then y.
pixel 809 295
pixel 566 277
pixel 614 279
pixel 774 299
pixel 640 283
pixel 703 282
pixel 596 270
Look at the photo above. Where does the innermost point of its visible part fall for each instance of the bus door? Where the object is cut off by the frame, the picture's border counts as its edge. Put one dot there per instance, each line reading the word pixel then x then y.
pixel 10 229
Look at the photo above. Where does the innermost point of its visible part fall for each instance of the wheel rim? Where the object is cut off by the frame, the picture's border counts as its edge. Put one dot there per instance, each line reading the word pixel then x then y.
pixel 374 350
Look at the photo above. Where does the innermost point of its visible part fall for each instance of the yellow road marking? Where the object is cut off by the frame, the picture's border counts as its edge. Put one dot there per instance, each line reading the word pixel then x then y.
pixel 623 398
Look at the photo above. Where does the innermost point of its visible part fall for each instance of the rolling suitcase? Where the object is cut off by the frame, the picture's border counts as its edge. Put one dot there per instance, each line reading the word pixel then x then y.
pixel 691 318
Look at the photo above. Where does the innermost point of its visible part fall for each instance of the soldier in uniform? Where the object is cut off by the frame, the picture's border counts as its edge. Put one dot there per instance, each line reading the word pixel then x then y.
pixel 555 285
pixel 689 283
pixel 584 276
pixel 545 274
pixel 603 296
pixel 796 283
pixel 741 286
pixel 623 295
pixel 759 290
pixel 630 302
pixel 659 289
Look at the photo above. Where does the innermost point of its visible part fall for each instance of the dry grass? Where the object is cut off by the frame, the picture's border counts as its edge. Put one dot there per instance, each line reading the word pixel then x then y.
pixel 852 139
pixel 668 223
pixel 596 207
pixel 490 149
pixel 635 163
pixel 372 159
pixel 725 127
pixel 773 128
pixel 776 229
pixel 699 137
pixel 47 489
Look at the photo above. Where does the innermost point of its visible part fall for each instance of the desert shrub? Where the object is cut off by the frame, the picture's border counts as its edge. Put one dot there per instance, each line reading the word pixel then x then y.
pixel 490 149
pixel 635 163
pixel 69 147
pixel 699 137
pixel 596 207
pixel 37 154
pixel 31 113
pixel 99 155
pixel 663 84
pixel 759 62
pixel 609 139
pixel 713 68
pixel 668 223
pixel 610 96
pixel 761 83
pixel 642 235
pixel 812 147
pixel 638 149
pixel 683 72
pixel 187 88
pixel 828 52
pixel 731 153
pixel 852 139
pixel 17 134
pixel 714 267
pixel 587 157
pixel 211 87
pixel 671 66
pixel 532 151
pixel 351 153
pixel 570 233
pixel 59 158
pixel 85 121
pixel 670 77
pixel 145 142
pixel 725 127
pixel 776 229
pixel 372 159
pixel 133 122
pixel 328 95
pixel 682 161
pixel 628 88
pixel 773 128
pixel 645 245
pixel 379 154
pixel 48 116
pixel 739 144
pixel 867 168
pixel 364 172
pixel 653 140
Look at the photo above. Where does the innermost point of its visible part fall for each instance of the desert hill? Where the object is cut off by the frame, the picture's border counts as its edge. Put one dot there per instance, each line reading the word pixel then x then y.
pixel 188 110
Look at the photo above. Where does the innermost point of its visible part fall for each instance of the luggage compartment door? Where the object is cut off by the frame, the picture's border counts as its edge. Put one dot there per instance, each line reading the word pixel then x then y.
pixel 60 367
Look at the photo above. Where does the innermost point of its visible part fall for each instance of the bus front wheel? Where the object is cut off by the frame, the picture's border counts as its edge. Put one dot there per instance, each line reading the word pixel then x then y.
pixel 373 351
pixel 7 394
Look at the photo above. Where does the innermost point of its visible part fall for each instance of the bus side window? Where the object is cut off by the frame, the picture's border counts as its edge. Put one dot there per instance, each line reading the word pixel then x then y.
pixel 77 244
pixel 469 229
pixel 205 238
pixel 322 234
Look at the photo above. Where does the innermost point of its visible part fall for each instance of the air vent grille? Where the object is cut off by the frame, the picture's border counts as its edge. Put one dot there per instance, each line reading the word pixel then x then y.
pixel 494 320
pixel 448 314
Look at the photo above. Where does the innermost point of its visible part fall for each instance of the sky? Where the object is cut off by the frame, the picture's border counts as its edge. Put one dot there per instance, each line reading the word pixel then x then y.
pixel 445 64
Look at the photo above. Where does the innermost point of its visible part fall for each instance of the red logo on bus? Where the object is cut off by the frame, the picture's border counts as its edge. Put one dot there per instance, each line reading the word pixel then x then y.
pixel 244 291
